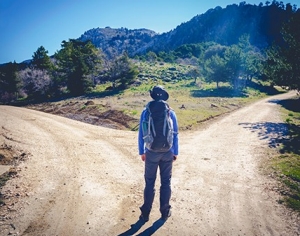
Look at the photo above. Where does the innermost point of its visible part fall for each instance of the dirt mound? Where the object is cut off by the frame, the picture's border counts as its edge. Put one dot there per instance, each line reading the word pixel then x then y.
pixel 91 113
pixel 10 156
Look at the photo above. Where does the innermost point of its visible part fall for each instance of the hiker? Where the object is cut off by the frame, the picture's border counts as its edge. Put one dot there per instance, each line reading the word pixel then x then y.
pixel 158 148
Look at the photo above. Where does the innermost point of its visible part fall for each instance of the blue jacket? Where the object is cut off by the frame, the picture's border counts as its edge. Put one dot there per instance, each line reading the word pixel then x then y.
pixel 141 144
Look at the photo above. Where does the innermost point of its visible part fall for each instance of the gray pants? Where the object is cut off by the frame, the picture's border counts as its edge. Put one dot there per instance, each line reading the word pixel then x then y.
pixel 164 161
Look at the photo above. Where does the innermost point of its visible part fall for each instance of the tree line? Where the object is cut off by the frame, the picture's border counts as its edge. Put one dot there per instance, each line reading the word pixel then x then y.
pixel 72 71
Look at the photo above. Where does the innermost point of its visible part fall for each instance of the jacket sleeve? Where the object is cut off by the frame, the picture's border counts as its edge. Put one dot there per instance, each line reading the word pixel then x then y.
pixel 141 145
pixel 175 147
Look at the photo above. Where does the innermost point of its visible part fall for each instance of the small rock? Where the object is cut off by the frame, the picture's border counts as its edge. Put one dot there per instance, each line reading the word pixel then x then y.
pixel 89 103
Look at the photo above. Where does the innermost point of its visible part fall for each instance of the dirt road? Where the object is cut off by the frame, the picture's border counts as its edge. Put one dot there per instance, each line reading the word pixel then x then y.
pixel 82 179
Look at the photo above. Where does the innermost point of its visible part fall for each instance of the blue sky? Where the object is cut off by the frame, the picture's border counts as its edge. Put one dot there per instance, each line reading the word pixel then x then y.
pixel 26 25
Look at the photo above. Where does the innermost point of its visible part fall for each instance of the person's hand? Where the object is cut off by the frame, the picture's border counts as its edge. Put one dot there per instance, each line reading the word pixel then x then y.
pixel 174 158
pixel 143 157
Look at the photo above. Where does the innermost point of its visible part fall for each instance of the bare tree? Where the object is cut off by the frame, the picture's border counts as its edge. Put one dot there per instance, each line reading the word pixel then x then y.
pixel 36 83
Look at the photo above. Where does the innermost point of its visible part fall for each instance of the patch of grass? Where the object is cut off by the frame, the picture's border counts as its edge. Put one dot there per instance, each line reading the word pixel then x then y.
pixel 193 102
pixel 82 108
pixel 290 167
pixel 134 112
pixel 130 112
pixel 293 203
pixel 287 165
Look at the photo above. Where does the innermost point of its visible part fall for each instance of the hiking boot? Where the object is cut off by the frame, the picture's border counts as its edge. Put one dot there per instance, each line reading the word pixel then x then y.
pixel 165 216
pixel 144 217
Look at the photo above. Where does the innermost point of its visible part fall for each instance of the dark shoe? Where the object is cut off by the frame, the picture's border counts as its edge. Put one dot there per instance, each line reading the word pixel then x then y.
pixel 166 215
pixel 144 217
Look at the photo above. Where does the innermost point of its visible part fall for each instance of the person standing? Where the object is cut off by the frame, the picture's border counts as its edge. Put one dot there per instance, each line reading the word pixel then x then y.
pixel 158 148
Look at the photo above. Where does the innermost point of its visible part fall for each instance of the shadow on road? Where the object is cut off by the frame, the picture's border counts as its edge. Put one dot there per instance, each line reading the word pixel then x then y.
pixel 274 133
pixel 153 228
pixel 292 104
pixel 149 231
pixel 277 134
pixel 134 228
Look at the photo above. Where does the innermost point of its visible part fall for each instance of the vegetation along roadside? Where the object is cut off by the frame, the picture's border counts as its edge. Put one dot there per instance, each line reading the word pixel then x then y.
pixel 286 164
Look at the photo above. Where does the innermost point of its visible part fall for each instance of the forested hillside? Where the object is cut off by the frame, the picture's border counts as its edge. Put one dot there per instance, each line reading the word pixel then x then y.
pixel 226 25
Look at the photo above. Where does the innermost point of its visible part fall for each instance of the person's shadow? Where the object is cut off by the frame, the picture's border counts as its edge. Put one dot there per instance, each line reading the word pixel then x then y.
pixel 149 231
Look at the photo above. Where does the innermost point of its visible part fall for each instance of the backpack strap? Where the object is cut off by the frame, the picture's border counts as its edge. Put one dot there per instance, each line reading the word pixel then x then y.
pixel 166 122
pixel 150 121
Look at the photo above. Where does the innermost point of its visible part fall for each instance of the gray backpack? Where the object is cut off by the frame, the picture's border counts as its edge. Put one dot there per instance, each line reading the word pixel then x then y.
pixel 158 127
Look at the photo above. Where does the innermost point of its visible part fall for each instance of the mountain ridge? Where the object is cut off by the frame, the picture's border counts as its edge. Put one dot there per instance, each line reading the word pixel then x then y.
pixel 114 41
pixel 221 25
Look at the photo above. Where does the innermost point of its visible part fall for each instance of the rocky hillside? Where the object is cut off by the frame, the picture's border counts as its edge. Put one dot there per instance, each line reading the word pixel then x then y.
pixel 114 42
pixel 221 25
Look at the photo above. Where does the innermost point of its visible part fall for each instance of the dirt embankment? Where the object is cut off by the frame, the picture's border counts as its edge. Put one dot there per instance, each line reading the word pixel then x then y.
pixel 81 179
pixel 89 112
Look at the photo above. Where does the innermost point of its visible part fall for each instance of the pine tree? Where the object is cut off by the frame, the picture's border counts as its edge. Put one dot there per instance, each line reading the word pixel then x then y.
pixel 9 81
pixel 77 60
pixel 122 71
pixel 40 59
